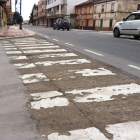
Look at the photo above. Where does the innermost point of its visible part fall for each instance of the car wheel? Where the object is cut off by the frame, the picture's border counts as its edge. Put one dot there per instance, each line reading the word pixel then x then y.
pixel 116 32
pixel 63 29
pixel 54 28
pixel 136 37
pixel 68 29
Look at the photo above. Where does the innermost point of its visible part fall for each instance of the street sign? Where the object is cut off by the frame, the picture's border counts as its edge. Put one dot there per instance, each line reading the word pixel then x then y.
pixel 80 16
pixel 99 15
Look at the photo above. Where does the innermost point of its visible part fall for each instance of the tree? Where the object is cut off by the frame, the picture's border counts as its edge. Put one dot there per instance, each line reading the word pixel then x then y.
pixel 16 18
pixel 31 20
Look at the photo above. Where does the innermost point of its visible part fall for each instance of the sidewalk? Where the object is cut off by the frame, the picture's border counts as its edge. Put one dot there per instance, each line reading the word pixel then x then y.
pixel 14 31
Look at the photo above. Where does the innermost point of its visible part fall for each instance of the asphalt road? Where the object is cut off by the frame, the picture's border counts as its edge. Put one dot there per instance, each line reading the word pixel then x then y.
pixel 123 52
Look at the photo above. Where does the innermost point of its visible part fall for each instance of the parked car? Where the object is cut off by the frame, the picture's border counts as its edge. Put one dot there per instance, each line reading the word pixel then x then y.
pixel 62 24
pixel 129 26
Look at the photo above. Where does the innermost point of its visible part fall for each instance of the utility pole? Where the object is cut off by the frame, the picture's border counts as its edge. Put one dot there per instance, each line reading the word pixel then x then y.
pixel 16 5
pixel 20 6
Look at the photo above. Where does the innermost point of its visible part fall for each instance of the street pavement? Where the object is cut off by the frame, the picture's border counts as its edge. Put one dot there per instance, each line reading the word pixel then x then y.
pixel 73 96
pixel 122 53
pixel 14 31
pixel 15 121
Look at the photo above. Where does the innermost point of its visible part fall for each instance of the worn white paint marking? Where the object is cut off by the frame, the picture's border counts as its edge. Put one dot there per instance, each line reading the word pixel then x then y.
pixel 105 93
pixel 40 42
pixel 57 55
pixel 27 41
pixel 13 52
pixel 50 103
pixel 25 65
pixel 125 131
pixel 10 49
pixel 6 42
pixel 43 95
pixel 43 51
pixel 93 52
pixel 21 43
pixel 46 36
pixel 132 40
pixel 135 67
pixel 81 134
pixel 9 46
pixel 35 45
pixel 33 78
pixel 55 40
pixel 30 48
pixel 64 62
pixel 18 57
pixel 90 72
pixel 43 100
pixel 69 44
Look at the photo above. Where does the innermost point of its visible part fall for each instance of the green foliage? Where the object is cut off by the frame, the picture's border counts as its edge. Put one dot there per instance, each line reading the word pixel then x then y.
pixel 16 18
pixel 31 15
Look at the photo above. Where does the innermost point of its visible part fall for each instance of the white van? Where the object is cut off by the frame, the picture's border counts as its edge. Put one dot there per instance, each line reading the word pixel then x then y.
pixel 129 26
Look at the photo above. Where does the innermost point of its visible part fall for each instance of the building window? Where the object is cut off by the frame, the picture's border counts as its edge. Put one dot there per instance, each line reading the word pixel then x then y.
pixel 90 10
pixel 87 22
pixel 110 23
pixel 82 23
pixel 2 14
pixel 85 10
pixel 112 7
pixel 95 8
pixel 103 8
pixel 81 11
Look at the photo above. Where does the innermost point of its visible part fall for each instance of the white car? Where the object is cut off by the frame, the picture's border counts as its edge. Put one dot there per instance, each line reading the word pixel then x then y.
pixel 129 26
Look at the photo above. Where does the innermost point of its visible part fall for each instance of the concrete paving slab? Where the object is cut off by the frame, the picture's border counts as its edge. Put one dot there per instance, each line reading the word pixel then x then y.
pixel 15 121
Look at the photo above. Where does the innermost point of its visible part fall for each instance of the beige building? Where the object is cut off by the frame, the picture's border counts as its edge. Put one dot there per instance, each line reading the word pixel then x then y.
pixel 112 11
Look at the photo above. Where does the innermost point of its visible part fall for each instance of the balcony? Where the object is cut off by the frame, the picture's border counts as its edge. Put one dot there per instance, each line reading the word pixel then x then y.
pixel 55 13
pixel 56 3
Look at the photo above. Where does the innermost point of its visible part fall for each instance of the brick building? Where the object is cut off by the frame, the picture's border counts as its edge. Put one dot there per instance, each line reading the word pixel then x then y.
pixel 84 19
pixel 42 13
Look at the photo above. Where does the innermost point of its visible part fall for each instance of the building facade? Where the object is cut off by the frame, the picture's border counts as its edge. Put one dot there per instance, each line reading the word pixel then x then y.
pixel 61 9
pixel 5 8
pixel 84 19
pixel 42 13
pixel 35 15
pixel 10 18
pixel 112 11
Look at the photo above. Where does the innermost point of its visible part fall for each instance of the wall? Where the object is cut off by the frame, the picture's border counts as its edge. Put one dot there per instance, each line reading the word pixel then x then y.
pixel 87 16
pixel 127 6
pixel 71 5
pixel 106 16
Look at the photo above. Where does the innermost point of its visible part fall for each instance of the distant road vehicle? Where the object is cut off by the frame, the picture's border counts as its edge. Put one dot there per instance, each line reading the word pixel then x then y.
pixel 62 24
pixel 129 26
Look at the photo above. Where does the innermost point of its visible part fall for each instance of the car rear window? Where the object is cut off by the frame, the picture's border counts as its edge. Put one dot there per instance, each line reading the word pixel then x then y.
pixel 65 20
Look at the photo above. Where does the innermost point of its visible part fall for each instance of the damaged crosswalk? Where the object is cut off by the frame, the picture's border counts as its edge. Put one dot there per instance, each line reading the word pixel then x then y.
pixel 73 97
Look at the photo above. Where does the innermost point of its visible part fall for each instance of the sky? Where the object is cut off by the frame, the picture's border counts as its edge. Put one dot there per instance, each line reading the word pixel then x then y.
pixel 27 6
